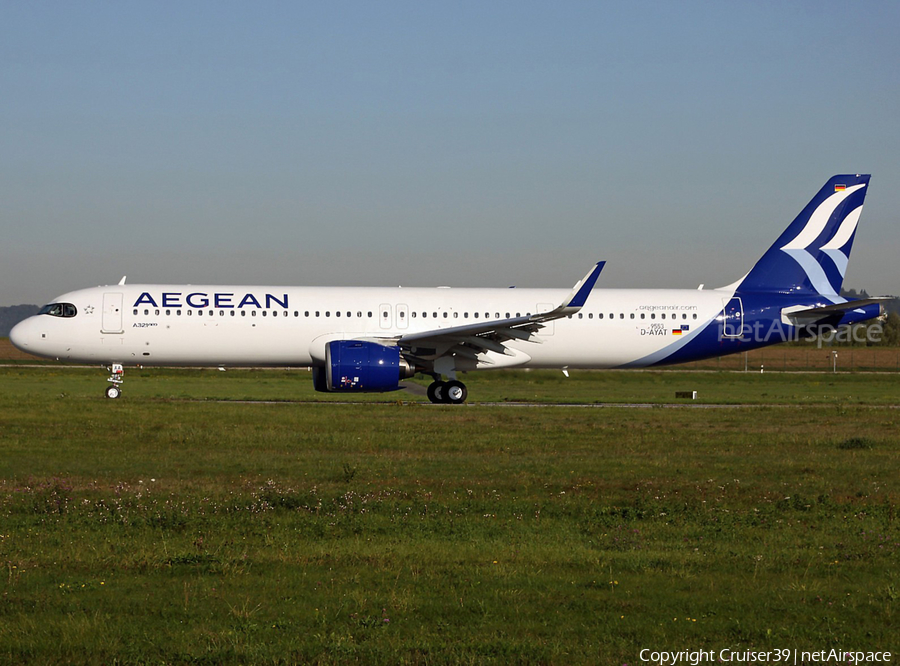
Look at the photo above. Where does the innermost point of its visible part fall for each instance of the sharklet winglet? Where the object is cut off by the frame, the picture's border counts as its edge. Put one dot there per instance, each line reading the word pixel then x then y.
pixel 584 287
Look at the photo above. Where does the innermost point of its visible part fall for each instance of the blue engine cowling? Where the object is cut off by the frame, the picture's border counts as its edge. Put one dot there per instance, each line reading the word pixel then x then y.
pixel 352 365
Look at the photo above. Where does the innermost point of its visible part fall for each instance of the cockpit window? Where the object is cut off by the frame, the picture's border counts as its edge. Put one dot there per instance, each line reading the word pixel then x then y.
pixel 59 310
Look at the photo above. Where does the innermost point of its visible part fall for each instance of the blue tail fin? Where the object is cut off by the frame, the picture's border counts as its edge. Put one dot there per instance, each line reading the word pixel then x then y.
pixel 811 256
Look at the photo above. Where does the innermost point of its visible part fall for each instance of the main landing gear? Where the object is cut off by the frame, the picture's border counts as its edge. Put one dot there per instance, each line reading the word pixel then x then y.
pixel 114 390
pixel 453 392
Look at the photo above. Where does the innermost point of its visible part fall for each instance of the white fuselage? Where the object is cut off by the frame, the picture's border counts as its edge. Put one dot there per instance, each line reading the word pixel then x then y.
pixel 290 326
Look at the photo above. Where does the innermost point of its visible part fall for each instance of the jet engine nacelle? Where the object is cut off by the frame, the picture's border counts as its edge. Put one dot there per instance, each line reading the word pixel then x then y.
pixel 361 367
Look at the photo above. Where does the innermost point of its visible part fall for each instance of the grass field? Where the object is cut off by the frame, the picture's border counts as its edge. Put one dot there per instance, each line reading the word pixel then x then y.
pixel 180 525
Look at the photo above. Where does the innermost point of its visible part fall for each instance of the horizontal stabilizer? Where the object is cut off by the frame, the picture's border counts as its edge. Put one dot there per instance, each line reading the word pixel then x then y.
pixel 791 315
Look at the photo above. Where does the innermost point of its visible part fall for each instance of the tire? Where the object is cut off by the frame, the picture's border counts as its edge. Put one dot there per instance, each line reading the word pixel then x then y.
pixel 455 393
pixel 436 391
pixel 113 391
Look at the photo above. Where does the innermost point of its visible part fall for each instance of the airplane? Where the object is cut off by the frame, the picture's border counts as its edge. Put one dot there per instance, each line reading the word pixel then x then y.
pixel 369 339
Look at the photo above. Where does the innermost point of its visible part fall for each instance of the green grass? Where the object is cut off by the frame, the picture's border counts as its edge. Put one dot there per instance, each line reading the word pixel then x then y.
pixel 543 386
pixel 169 528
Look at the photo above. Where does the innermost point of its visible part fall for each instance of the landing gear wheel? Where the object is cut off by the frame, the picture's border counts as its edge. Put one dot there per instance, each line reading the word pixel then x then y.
pixel 113 392
pixel 436 391
pixel 455 392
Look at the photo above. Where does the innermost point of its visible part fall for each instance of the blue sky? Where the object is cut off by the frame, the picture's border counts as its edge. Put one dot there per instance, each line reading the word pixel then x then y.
pixel 425 143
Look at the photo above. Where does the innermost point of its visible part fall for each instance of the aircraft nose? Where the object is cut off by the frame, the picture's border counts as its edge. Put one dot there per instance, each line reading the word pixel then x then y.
pixel 20 334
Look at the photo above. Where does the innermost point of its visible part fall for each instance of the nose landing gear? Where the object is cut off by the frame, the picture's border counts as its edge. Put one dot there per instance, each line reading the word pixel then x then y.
pixel 453 392
pixel 116 373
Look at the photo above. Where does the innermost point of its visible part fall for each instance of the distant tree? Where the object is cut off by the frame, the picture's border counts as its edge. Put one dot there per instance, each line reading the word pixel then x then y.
pixel 890 336
pixel 12 315
pixel 852 293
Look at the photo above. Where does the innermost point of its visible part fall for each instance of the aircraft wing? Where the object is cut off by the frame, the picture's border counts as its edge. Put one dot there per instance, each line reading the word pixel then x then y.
pixel 470 340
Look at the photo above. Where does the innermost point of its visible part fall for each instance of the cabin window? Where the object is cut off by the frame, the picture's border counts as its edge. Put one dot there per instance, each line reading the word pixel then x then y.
pixel 42 312
pixel 168 312
pixel 580 316
pixel 475 314
pixel 643 316
pixel 221 313
pixel 177 313
pixel 632 315
pixel 337 313
pixel 359 314
pixel 231 312
pixel 507 315
pixel 146 312
pixel 369 314
pixel 653 315
pixel 253 313
pixel 243 313
pixel 190 313
pixel 590 315
pixel 695 316
pixel 456 315
pixel 600 316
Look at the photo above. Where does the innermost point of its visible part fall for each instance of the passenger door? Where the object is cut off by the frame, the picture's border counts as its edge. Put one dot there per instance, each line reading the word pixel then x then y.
pixel 111 321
